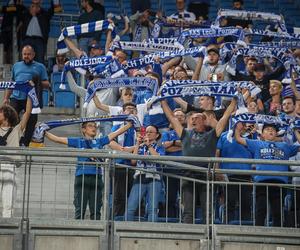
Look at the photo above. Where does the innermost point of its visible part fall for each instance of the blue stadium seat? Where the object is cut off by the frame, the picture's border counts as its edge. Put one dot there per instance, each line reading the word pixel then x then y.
pixel 46 97
pixel 64 99
pixel 55 77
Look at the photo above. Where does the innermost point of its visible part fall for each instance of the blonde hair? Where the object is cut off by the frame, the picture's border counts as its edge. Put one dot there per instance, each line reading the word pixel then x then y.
pixel 277 83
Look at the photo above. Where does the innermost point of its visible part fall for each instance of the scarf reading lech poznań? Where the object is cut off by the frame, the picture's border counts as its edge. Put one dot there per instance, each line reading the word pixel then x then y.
pixel 25 87
pixel 214 32
pixel 282 122
pixel 251 87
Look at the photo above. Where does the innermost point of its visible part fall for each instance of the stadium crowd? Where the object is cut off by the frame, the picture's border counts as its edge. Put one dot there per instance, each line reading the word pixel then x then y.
pixel 168 122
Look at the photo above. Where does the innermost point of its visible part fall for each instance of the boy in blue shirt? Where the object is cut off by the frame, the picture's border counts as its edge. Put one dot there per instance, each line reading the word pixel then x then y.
pixel 88 178
pixel 271 149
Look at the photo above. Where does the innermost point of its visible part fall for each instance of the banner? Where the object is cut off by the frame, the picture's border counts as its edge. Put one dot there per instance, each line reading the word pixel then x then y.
pixel 39 132
pixel 25 87
pixel 80 29
pixel 131 82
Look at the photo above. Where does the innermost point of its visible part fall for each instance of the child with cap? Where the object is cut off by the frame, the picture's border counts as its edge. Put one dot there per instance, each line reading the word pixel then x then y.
pixel 269 149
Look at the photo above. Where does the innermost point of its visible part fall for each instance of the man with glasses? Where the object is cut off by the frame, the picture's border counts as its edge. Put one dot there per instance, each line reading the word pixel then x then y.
pixel 88 177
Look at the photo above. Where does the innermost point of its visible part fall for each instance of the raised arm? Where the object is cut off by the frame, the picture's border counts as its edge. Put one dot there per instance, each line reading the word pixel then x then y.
pixel 126 28
pixel 108 40
pixel 237 134
pixel 222 123
pixel 183 104
pixel 78 90
pixel 294 88
pixel 198 69
pixel 169 64
pixel 57 139
pixel 172 119
pixel 120 131
pixel 78 53
pixel 26 115
pixel 100 105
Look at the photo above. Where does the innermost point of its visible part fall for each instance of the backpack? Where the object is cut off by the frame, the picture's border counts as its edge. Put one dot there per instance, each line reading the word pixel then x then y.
pixel 3 139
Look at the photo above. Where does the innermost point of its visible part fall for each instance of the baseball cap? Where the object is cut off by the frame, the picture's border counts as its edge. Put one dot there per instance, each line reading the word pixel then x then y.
pixel 94 46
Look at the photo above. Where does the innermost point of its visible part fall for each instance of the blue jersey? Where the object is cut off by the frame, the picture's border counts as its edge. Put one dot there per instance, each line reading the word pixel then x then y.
pixel 171 135
pixel 268 150
pixel 144 150
pixel 233 150
pixel 22 72
pixel 126 140
pixel 85 168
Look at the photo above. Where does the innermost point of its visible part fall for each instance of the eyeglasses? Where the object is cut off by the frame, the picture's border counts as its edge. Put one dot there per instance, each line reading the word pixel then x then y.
pixel 151 132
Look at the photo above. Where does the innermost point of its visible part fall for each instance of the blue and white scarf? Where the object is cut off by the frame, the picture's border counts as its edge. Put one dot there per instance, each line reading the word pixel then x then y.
pixel 147 47
pixel 281 54
pixel 251 15
pixel 149 59
pixel 39 132
pixel 25 87
pixel 159 40
pixel 282 44
pixel 131 82
pixel 198 90
pixel 83 64
pixel 213 32
pixel 284 35
pixel 78 30
pixel 282 122
pixel 253 89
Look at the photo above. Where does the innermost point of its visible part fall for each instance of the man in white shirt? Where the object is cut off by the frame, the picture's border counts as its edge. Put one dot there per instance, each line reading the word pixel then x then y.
pixel 182 13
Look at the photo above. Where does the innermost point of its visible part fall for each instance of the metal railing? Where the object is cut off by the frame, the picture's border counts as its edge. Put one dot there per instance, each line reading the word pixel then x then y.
pixel 45 181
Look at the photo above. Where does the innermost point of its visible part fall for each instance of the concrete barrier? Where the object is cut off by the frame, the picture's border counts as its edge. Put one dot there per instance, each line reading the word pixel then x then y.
pixel 159 236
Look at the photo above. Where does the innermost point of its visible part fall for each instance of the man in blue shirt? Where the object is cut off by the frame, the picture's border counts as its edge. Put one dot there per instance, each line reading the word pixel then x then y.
pixel 237 194
pixel 88 178
pixel 22 71
pixel 270 149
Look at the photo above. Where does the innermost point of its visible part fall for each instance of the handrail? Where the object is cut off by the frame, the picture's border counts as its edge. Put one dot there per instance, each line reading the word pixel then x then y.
pixel 174 161
pixel 113 154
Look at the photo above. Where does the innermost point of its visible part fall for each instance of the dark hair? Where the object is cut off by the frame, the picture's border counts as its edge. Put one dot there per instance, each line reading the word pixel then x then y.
pixel 252 59
pixel 83 125
pixel 240 1
pixel 259 67
pixel 290 97
pixel 178 109
pixel 210 112
pixel 10 114
pixel 157 131
pixel 266 125
pixel 125 105
pixel 189 114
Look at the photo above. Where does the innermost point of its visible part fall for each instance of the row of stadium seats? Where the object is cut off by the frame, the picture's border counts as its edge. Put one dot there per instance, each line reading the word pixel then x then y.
pixel 61 98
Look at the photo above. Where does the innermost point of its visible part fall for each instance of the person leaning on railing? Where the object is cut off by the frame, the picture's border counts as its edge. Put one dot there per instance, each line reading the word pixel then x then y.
pixel 270 149
pixel 11 131
pixel 88 177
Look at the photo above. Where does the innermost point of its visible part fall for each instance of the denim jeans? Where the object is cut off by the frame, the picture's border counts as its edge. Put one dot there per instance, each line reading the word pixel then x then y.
pixel 151 190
